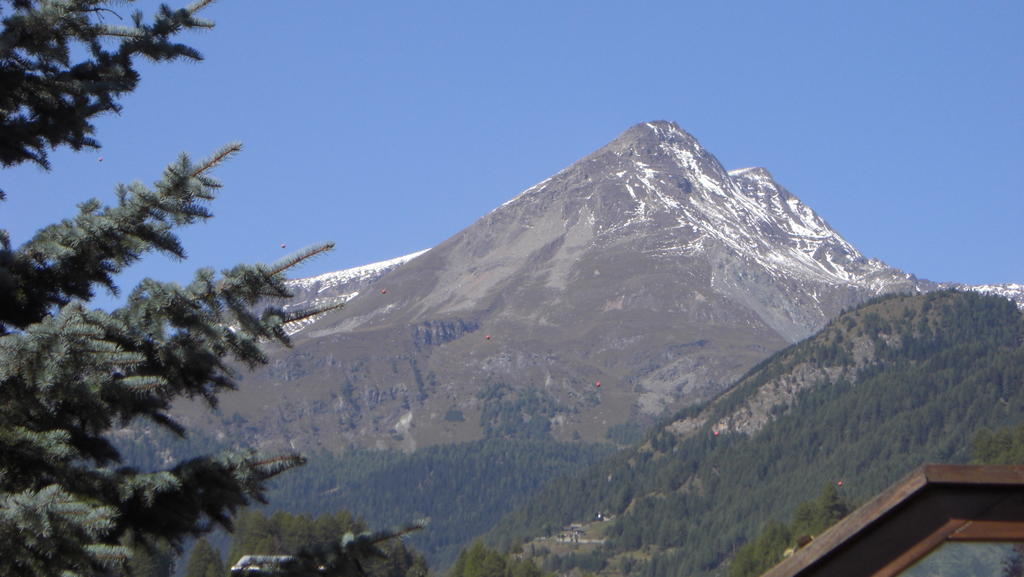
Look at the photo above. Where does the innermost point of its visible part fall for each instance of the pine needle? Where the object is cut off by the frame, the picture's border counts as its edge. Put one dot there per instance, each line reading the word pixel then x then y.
pixel 299 256
pixel 197 6
pixel 217 158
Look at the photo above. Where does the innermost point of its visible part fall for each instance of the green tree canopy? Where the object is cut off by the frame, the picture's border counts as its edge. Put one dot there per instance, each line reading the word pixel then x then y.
pixel 480 561
pixel 70 373
pixel 810 519
pixel 204 561
pixel 1003 446
pixel 66 62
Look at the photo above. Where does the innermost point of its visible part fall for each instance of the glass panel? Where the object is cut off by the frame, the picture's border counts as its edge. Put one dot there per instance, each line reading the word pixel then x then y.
pixel 971 559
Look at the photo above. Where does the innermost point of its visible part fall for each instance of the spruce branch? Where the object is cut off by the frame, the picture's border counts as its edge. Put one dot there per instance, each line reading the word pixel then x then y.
pixel 71 374
pixel 121 32
pixel 76 254
pixel 142 384
pixel 216 158
pixel 299 256
pixel 197 6
pixel 297 315
pixel 50 100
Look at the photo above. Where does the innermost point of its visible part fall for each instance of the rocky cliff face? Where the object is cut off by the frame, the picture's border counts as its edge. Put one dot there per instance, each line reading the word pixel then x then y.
pixel 642 278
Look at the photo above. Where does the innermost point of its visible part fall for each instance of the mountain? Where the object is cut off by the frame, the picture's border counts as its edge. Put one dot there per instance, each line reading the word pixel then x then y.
pixel 880 390
pixel 643 278
pixel 343 286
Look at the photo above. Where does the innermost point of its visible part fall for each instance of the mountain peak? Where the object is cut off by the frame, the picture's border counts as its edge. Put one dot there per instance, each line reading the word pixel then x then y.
pixel 660 128
pixel 640 136
pixel 644 266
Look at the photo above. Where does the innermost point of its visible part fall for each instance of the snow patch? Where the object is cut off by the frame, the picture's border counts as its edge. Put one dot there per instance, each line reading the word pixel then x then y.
pixel 1012 291
pixel 329 280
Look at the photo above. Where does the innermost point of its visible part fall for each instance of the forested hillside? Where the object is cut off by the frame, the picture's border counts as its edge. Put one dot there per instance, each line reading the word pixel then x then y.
pixel 462 489
pixel 1001 447
pixel 901 381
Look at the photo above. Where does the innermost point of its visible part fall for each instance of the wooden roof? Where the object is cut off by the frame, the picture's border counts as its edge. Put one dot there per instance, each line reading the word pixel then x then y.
pixel 930 506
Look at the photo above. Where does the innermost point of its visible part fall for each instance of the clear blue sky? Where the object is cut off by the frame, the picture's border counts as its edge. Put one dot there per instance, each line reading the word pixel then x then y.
pixel 390 126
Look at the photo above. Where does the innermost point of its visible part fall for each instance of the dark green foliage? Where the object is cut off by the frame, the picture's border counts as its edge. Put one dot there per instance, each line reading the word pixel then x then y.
pixel 339 543
pixel 480 561
pixel 71 375
pixel 64 63
pixel 813 517
pixel 591 562
pixel 941 367
pixel 810 519
pixel 1002 447
pixel 762 553
pixel 152 561
pixel 625 434
pixel 524 414
pixel 464 489
pixel 204 561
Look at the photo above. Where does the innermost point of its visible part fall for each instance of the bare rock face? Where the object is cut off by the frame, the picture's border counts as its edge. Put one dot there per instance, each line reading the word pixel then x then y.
pixel 642 278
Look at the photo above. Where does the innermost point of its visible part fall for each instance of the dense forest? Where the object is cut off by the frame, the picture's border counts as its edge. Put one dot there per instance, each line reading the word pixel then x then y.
pixel 480 561
pixel 916 378
pixel 461 489
pixel 1001 447
pixel 777 539
pixel 811 518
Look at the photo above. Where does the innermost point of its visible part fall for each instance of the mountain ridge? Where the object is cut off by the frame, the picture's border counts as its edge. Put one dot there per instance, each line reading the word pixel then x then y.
pixel 642 278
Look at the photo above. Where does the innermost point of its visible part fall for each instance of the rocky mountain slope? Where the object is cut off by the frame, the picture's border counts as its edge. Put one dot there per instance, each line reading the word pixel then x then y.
pixel 642 278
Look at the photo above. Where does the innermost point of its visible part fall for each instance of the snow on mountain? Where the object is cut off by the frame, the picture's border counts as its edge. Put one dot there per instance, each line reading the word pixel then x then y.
pixel 1012 291
pixel 342 285
pixel 327 281
pixel 672 182
pixel 745 210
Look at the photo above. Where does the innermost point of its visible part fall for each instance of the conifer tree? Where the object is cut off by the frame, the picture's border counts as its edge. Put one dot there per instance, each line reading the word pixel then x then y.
pixel 1001 447
pixel 69 373
pixel 204 561
pixel 480 561
pixel 48 98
